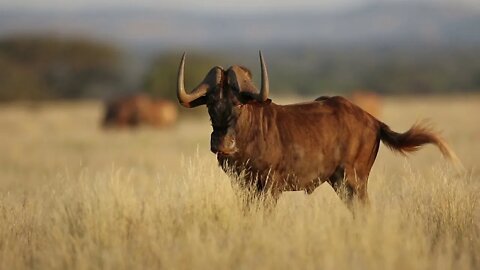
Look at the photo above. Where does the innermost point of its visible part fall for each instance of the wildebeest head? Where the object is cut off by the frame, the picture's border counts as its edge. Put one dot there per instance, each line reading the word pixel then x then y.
pixel 224 92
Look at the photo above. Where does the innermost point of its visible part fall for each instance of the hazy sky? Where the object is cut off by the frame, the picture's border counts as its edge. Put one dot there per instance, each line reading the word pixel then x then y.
pixel 205 5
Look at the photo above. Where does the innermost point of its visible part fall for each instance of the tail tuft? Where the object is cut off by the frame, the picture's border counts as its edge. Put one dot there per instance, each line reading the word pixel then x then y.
pixel 414 138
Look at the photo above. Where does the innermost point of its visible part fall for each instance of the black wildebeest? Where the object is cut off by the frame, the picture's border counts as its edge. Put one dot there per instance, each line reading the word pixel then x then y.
pixel 139 109
pixel 368 101
pixel 294 147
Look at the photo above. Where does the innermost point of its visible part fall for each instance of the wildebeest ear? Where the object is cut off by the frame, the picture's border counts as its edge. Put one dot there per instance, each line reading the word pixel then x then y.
pixel 246 98
pixel 240 78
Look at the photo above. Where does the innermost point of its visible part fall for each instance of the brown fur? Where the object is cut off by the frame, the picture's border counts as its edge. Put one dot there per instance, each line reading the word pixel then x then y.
pixel 299 146
pixel 135 110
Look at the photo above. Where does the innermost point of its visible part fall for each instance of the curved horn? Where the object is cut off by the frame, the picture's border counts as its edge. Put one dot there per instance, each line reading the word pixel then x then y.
pixel 263 96
pixel 183 97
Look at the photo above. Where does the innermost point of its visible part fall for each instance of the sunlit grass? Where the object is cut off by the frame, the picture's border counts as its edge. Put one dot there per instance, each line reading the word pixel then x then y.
pixel 74 197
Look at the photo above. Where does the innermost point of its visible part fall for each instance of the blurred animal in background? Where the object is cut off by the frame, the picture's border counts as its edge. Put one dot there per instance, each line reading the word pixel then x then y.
pixel 139 109
pixel 274 148
pixel 368 101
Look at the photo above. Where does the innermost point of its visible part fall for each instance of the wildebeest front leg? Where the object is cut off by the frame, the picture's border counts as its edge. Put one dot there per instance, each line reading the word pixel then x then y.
pixel 255 194
pixel 251 200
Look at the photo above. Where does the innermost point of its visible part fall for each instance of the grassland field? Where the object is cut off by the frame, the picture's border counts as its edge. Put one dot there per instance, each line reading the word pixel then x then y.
pixel 73 196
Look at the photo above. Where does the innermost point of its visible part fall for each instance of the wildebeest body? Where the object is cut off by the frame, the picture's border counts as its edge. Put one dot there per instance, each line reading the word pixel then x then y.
pixel 135 110
pixel 299 146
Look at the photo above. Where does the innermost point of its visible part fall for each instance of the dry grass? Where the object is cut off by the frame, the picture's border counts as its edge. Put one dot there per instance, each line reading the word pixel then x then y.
pixel 74 197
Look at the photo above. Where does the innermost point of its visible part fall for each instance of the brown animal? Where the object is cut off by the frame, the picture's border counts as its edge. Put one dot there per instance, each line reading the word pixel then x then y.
pixel 132 111
pixel 368 101
pixel 278 148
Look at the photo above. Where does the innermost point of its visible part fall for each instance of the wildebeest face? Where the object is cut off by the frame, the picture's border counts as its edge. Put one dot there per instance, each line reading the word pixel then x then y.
pixel 223 92
pixel 223 105
pixel 221 108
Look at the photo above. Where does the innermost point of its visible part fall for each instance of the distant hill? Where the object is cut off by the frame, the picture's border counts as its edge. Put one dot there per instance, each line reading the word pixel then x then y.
pixel 394 23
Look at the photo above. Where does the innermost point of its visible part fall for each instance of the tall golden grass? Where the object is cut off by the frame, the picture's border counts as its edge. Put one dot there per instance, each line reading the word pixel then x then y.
pixel 75 197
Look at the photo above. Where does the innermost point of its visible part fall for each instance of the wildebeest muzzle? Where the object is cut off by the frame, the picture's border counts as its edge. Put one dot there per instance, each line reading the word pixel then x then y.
pixel 222 143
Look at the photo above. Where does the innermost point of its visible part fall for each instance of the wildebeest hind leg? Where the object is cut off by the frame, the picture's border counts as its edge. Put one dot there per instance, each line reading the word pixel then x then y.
pixel 357 180
pixel 338 182
pixel 349 186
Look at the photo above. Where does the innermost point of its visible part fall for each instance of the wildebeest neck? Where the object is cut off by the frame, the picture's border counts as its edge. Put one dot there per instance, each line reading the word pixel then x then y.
pixel 254 130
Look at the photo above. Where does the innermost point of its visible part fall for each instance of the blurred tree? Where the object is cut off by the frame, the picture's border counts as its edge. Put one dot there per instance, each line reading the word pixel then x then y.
pixel 45 67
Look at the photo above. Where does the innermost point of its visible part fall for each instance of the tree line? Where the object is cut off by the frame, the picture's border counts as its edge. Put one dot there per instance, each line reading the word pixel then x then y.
pixel 46 67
